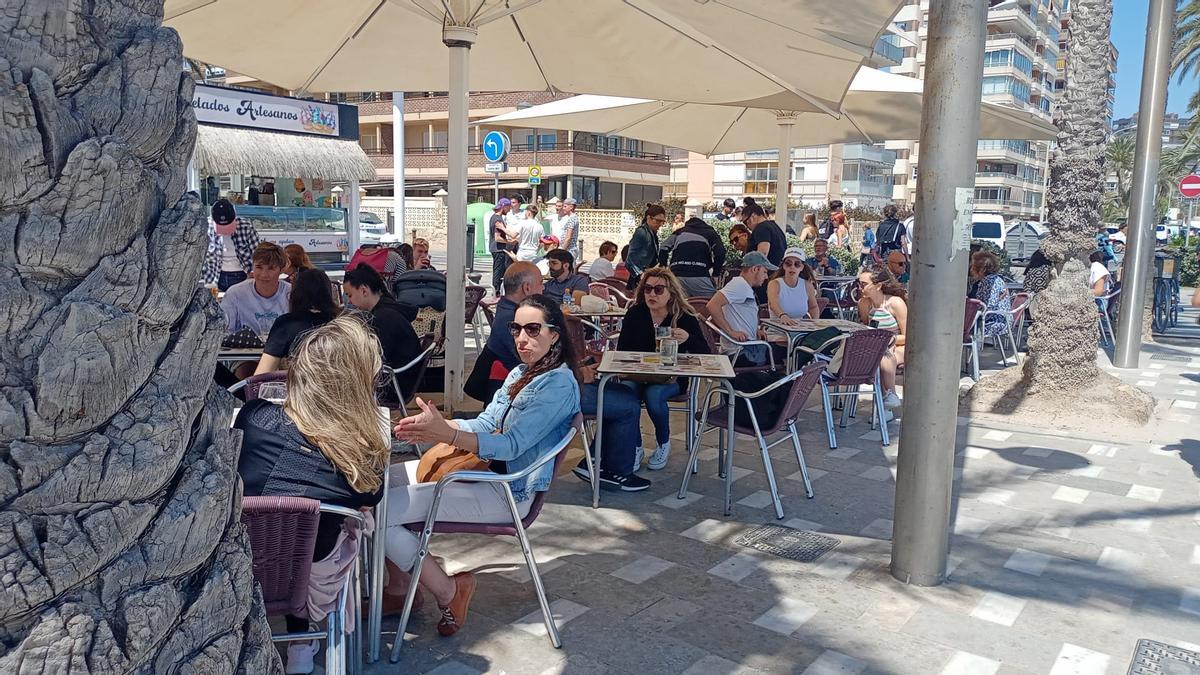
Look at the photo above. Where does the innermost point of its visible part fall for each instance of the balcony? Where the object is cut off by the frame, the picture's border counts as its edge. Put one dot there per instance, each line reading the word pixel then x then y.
pixel 1015 19
pixel 866 187
pixel 522 155
pixel 888 52
pixel 869 153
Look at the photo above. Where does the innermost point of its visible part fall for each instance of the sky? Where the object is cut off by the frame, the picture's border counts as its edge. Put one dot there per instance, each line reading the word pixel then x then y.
pixel 1129 36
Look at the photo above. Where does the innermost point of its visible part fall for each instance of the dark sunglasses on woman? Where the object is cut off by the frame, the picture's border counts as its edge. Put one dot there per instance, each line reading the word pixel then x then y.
pixel 654 290
pixel 531 329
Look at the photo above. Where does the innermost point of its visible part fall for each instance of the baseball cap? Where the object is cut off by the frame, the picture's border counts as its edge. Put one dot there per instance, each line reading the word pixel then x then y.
pixel 756 259
pixel 504 201
pixel 553 200
pixel 569 201
pixel 550 239
pixel 223 212
pixel 795 252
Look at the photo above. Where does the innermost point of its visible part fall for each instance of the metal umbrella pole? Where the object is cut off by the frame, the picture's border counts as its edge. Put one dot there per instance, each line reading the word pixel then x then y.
pixel 1139 247
pixel 459 39
pixel 398 164
pixel 786 121
pixel 949 134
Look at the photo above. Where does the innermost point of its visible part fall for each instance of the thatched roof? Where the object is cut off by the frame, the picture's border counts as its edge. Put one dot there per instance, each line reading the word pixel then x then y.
pixel 228 150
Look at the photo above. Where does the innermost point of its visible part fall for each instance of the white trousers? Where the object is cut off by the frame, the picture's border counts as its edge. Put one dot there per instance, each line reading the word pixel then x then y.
pixel 409 502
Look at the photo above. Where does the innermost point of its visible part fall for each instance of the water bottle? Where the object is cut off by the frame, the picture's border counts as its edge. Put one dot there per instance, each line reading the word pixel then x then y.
pixel 566 298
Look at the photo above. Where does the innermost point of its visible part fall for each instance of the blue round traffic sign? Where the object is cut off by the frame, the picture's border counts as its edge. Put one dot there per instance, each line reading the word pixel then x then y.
pixel 495 146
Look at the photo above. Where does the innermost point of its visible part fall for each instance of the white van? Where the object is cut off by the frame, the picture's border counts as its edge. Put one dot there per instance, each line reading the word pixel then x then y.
pixel 989 227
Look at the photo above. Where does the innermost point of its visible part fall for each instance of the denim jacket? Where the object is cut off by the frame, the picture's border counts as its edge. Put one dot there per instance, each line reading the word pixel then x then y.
pixel 540 416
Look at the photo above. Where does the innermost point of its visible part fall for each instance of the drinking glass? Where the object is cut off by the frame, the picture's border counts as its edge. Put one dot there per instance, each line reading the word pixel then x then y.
pixel 275 392
pixel 661 333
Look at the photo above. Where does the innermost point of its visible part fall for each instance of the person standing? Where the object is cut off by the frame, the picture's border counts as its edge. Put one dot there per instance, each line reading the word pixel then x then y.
pixel 529 235
pixel 727 208
pixel 554 217
pixel 498 240
pixel 765 235
pixel 809 231
pixel 570 228
pixel 643 247
pixel 231 244
pixel 677 221
pixel 829 225
pixel 867 255
pixel 695 254
pixel 891 233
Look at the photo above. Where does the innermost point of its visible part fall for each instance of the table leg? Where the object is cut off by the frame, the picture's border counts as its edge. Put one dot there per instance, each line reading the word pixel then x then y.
pixel 596 447
pixel 693 395
pixel 732 441
pixel 378 566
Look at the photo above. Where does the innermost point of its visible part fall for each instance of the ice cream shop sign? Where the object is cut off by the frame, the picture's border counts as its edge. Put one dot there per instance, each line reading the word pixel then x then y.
pixel 236 107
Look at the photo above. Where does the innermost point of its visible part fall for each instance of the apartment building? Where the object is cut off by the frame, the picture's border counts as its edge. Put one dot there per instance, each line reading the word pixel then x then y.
pixel 1174 131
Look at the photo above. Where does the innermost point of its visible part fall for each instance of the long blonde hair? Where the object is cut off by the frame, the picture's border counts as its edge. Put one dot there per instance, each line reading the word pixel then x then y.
pixel 331 398
pixel 678 304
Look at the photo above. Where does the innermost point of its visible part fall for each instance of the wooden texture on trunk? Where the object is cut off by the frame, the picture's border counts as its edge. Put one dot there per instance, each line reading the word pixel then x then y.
pixel 119 498
pixel 1063 337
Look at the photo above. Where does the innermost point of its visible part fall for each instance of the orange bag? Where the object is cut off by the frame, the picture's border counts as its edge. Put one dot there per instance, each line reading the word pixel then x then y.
pixel 443 459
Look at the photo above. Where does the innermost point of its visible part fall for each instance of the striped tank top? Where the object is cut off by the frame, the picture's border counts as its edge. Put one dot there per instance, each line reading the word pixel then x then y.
pixel 883 319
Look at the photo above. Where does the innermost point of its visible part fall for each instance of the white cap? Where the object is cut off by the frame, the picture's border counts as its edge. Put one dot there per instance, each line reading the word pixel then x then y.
pixel 795 252
pixel 553 200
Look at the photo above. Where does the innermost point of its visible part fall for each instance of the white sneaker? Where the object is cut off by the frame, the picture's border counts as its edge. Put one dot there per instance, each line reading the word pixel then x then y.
pixel 891 400
pixel 638 454
pixel 300 657
pixel 659 459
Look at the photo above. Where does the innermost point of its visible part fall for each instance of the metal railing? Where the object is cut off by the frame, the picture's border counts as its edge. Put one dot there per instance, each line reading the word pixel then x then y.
pixel 526 147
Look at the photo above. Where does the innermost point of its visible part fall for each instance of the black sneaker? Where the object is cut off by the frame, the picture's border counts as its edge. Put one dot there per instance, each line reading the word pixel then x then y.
pixel 628 483
pixel 582 471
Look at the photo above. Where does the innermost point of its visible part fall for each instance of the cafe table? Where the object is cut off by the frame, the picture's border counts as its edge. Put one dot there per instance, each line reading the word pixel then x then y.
pixel 238 355
pixel 796 330
pixel 691 366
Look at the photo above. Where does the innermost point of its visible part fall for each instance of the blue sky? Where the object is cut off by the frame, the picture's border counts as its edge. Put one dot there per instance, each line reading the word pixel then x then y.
pixel 1129 35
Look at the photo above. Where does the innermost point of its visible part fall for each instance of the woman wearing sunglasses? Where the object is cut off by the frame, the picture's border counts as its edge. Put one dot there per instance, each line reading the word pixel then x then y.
pixel 660 303
pixel 530 413
pixel 792 292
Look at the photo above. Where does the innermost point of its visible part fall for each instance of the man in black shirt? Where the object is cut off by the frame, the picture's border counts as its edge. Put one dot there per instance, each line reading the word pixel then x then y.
pixel 498 241
pixel 765 235
pixel 891 235
pixel 727 208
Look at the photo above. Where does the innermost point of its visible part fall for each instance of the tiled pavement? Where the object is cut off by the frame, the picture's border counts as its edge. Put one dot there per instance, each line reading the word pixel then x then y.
pixel 1067 549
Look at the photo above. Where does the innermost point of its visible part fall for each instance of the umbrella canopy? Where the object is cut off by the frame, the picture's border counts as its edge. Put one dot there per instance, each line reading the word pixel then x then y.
pixel 879 106
pixel 799 54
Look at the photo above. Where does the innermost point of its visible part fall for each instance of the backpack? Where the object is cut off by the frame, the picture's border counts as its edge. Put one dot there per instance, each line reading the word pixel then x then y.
pixel 827 228
pixel 374 256
pixel 421 288
pixel 889 234
pixel 768 407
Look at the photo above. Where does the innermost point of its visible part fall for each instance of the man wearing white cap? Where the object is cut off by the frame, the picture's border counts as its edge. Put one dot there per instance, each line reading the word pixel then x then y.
pixel 570 227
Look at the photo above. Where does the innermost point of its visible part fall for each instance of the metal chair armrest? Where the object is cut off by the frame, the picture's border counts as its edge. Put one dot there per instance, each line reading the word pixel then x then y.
pixel 417 359
pixel 773 386
pixel 237 386
pixel 489 477
pixel 344 511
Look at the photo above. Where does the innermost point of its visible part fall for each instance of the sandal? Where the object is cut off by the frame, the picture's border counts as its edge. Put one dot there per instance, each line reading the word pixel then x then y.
pixel 454 616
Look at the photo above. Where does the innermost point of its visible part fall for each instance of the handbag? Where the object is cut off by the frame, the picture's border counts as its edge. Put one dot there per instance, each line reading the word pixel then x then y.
pixel 443 459
pixel 245 338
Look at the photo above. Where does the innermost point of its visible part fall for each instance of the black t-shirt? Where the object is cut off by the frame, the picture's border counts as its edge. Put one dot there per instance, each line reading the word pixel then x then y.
pixel 637 334
pixel 287 329
pixel 278 460
pixel 496 221
pixel 888 236
pixel 397 337
pixel 768 231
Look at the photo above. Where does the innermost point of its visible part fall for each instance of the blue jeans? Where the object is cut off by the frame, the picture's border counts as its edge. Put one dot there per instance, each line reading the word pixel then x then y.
pixel 655 396
pixel 227 279
pixel 622 412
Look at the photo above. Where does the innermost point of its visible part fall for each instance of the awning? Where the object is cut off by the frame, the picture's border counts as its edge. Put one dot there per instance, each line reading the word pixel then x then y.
pixel 248 152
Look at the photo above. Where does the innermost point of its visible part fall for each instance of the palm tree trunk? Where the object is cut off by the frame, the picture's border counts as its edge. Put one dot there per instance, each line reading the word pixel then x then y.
pixel 119 494
pixel 1063 338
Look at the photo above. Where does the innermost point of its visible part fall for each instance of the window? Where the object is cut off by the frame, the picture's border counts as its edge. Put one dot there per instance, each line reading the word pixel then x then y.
pixel 761 178
pixel 998 84
pixel 797 173
pixel 985 230
pixel 992 194
pixel 998 58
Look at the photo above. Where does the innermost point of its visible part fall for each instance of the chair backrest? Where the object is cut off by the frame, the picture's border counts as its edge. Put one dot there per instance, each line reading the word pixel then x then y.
pixel 600 290
pixel 798 394
pixel 764 312
pixel 283 534
pixel 539 498
pixel 474 295
pixel 822 303
pixel 861 354
pixel 1020 302
pixel 618 291
pixel 971 318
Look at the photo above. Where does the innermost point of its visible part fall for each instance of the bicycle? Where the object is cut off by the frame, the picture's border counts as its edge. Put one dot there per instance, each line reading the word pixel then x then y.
pixel 1166 292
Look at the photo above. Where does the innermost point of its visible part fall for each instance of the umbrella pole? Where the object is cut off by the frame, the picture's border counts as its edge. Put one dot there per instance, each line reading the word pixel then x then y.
pixel 459 39
pixel 785 168
pixel 398 167
pixel 949 131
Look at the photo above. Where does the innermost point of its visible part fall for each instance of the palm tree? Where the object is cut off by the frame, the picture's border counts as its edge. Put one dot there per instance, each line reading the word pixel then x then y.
pixel 1185 59
pixel 1119 156
pixel 1063 339
pixel 118 486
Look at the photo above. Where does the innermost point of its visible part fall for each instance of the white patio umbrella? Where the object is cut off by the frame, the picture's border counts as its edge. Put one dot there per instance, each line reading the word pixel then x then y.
pixel 879 106
pixel 793 54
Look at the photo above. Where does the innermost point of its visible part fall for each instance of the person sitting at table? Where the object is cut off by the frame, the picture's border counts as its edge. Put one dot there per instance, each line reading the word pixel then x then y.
pixel 734 309
pixel 1099 278
pixel 660 303
pixel 297 259
pixel 310 305
pixel 384 260
pixel 897 264
pixel 602 267
pixel 888 304
pixel 391 321
pixel 527 417
pixel 990 289
pixel 420 255
pixel 563 278
pixel 256 302
pixel 324 443
pixel 499 355
pixel 792 291
pixel 621 271
pixel 822 263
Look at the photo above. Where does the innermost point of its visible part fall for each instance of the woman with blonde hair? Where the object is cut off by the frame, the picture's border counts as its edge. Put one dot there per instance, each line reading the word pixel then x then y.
pixel 326 442
pixel 659 304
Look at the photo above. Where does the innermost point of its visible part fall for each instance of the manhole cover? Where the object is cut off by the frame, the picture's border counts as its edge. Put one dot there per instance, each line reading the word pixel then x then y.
pixel 1157 658
pixel 787 542
pixel 1170 357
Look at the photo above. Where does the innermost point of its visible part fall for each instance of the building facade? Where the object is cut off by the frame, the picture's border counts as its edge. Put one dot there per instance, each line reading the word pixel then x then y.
pixel 1174 128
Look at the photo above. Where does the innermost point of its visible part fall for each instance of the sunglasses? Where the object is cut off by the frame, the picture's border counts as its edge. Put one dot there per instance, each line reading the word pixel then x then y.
pixel 531 329
pixel 792 263
pixel 654 290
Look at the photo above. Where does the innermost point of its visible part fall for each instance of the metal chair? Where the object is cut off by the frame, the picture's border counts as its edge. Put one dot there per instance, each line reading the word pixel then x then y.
pixel 800 384
pixel 517 528
pixel 845 297
pixel 971 322
pixel 252 384
pixel 1016 314
pixel 1104 320
pixel 861 352
pixel 618 291
pixel 739 345
pixel 474 296
pixel 283 533
pixel 1021 304
pixel 600 290
pixel 429 344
